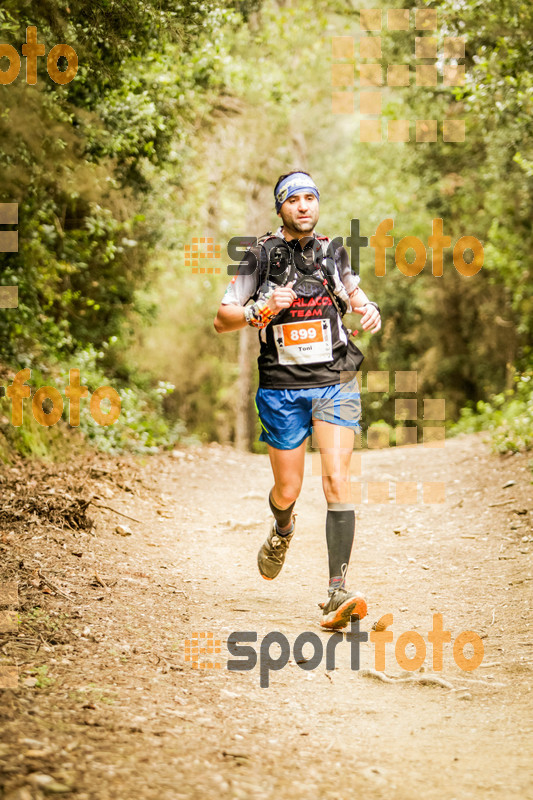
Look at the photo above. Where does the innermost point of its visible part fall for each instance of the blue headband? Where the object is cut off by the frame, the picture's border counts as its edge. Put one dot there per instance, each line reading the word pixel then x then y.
pixel 292 184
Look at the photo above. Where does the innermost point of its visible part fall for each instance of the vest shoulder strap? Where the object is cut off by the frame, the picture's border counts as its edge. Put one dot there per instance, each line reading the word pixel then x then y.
pixel 256 249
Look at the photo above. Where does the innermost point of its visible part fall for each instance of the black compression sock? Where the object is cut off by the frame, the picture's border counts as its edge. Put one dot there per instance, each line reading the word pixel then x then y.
pixel 340 529
pixel 284 533
pixel 281 515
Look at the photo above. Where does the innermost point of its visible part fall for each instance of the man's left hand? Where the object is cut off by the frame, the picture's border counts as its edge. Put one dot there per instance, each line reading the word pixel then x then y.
pixel 370 318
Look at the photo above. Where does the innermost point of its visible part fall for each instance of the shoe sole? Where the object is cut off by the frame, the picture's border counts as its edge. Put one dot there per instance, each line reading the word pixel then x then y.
pixel 355 606
pixel 266 577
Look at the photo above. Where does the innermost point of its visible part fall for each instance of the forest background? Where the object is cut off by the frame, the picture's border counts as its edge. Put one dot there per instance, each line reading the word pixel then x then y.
pixel 176 126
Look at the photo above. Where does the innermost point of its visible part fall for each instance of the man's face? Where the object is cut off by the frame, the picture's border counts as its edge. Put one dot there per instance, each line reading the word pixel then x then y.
pixel 300 212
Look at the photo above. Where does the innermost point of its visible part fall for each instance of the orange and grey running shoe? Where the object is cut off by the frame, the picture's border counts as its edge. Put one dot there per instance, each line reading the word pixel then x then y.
pixel 271 555
pixel 340 606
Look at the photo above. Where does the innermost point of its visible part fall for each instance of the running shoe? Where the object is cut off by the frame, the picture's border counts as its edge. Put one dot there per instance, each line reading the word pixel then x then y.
pixel 271 555
pixel 340 606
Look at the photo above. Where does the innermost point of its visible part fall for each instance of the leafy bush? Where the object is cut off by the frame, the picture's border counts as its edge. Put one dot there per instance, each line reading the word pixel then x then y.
pixel 142 426
pixel 508 417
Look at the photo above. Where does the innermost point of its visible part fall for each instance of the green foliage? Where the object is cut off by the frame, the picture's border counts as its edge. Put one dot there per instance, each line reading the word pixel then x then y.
pixel 83 163
pixel 43 678
pixel 508 416
pixel 31 439
pixel 79 159
pixel 462 335
pixel 142 426
pixel 177 124
pixel 487 180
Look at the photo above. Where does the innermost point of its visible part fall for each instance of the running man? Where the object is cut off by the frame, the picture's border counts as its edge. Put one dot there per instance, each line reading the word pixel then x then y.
pixel 294 290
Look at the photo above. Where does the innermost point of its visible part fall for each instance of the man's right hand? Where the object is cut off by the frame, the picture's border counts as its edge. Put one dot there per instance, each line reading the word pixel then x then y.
pixel 282 297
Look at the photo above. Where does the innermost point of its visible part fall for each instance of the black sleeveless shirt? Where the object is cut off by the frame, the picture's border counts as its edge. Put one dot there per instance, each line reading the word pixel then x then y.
pixel 306 345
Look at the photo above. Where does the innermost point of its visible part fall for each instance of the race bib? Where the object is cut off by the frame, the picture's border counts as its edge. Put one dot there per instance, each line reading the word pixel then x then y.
pixel 303 342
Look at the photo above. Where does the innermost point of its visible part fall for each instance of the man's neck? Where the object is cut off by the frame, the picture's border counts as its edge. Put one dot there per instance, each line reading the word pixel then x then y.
pixel 288 234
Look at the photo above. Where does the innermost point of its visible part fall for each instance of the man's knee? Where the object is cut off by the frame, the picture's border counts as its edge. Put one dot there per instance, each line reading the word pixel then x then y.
pixel 336 488
pixel 287 493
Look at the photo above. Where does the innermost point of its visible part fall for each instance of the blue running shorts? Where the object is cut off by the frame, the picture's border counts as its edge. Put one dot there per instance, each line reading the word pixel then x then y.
pixel 286 414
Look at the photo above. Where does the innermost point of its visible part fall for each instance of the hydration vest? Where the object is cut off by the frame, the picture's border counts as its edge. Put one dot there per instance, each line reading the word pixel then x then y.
pixel 307 344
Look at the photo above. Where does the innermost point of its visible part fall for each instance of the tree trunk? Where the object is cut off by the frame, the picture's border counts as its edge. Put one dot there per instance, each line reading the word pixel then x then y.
pixel 245 408
pixel 259 212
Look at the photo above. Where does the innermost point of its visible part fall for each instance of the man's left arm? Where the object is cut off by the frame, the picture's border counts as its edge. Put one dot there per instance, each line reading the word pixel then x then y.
pixel 359 302
pixel 370 315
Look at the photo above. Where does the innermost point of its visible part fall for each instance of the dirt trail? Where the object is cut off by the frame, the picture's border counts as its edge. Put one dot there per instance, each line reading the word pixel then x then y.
pixel 117 711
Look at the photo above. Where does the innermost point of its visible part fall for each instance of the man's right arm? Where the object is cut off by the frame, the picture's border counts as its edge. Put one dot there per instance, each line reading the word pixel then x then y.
pixel 230 315
pixel 229 318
